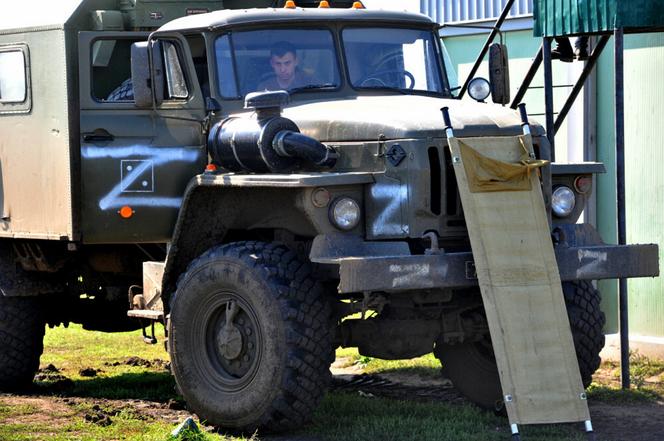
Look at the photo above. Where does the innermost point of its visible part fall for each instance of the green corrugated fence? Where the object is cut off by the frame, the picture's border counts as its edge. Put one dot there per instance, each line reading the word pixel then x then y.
pixel 568 17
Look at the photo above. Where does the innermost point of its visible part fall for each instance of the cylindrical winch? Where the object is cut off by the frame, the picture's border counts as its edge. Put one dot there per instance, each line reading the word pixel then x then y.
pixel 268 143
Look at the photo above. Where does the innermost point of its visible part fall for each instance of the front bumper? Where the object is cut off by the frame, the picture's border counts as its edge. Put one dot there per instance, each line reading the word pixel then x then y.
pixel 389 267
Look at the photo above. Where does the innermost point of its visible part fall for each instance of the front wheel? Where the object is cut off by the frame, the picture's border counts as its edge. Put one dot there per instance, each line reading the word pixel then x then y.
pixel 251 337
pixel 472 366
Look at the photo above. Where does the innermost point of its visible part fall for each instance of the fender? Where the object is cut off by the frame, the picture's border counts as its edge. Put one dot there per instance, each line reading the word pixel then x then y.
pixel 214 204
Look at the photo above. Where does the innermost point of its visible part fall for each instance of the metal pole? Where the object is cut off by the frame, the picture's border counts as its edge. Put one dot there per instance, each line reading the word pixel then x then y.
pixel 492 35
pixel 587 70
pixel 548 96
pixel 534 67
pixel 620 181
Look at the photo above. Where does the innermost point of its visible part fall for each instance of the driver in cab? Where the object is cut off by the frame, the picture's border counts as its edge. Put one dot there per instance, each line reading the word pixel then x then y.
pixel 284 63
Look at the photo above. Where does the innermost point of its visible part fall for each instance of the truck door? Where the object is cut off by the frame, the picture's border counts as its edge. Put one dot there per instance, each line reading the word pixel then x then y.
pixel 135 163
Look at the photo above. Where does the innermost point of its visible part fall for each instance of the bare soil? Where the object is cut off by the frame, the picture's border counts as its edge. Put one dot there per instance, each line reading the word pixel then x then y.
pixel 57 411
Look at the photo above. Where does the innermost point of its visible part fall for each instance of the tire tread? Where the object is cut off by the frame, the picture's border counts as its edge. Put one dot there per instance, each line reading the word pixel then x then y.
pixel 306 314
pixel 22 331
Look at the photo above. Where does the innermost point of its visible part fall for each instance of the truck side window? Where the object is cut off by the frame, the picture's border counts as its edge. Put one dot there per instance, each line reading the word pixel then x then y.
pixel 111 70
pixel 176 84
pixel 15 79
pixel 198 51
pixel 13 84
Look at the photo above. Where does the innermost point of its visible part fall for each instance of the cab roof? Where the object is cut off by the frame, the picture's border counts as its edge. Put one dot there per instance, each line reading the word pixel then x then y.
pixel 233 17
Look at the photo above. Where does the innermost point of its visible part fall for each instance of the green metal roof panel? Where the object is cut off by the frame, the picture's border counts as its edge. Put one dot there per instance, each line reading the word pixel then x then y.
pixel 568 17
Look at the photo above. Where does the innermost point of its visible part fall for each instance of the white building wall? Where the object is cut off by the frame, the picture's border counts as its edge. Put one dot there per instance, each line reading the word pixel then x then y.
pixel 448 11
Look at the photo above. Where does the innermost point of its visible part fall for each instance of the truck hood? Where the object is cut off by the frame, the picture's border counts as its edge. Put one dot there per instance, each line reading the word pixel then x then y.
pixel 365 118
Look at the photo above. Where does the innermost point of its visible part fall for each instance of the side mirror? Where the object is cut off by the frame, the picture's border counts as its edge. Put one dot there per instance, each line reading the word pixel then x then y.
pixel 145 82
pixel 499 73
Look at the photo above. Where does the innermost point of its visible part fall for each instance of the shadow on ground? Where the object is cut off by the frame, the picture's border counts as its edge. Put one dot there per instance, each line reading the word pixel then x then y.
pixel 149 386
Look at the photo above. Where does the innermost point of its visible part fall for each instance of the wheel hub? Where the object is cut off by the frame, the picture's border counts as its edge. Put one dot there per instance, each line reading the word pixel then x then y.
pixel 230 342
pixel 229 339
pixel 234 340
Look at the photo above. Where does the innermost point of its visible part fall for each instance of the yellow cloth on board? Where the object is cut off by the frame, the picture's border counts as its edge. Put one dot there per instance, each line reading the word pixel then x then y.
pixel 486 174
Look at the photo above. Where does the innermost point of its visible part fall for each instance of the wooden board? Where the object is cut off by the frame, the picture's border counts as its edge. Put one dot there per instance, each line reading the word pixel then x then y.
pixel 521 290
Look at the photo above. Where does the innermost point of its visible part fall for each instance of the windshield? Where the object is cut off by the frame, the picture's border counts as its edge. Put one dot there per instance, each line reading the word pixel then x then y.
pixel 276 59
pixel 392 58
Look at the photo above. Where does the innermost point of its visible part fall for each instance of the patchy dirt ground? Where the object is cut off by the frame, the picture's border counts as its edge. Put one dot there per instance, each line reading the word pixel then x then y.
pixel 614 420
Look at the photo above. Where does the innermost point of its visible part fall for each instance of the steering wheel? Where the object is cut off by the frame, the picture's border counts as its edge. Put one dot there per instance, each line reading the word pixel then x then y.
pixel 376 77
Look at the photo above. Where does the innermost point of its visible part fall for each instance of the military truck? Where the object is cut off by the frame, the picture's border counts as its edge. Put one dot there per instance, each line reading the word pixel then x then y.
pixel 145 168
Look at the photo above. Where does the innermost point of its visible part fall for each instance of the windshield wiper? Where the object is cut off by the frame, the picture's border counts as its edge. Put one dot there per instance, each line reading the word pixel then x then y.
pixel 308 87
pixel 391 89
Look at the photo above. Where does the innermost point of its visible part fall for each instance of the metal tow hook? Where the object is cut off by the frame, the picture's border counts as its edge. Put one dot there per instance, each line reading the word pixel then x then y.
pixel 230 338
pixel 433 238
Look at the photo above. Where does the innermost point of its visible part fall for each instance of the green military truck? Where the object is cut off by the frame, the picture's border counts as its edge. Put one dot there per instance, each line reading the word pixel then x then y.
pixel 145 168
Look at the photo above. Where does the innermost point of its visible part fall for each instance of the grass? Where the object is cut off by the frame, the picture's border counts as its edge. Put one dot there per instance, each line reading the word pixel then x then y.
pixel 341 416
pixel 349 417
pixel 426 366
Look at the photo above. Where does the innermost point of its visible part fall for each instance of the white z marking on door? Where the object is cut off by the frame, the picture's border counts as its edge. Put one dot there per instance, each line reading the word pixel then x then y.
pixel 135 162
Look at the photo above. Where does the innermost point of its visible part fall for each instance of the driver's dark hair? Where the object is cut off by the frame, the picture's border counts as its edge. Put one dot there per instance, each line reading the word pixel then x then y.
pixel 281 48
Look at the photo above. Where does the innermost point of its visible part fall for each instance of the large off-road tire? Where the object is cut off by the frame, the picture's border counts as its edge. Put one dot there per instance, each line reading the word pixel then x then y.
pixel 22 327
pixel 270 368
pixel 473 371
pixel 472 366
pixel 587 321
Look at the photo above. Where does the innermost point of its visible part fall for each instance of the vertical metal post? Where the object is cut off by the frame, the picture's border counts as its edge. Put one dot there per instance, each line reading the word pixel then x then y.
pixel 620 181
pixel 548 96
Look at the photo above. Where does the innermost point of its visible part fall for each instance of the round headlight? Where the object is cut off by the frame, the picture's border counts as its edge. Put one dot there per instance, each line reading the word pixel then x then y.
pixel 563 201
pixel 479 89
pixel 345 214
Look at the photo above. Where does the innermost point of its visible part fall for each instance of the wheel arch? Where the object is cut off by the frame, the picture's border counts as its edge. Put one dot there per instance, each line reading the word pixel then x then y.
pixel 215 205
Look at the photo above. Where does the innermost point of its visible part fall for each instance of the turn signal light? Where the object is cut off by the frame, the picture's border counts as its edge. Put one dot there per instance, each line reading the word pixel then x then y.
pixel 290 4
pixel 583 184
pixel 324 4
pixel 358 5
pixel 211 168
pixel 126 212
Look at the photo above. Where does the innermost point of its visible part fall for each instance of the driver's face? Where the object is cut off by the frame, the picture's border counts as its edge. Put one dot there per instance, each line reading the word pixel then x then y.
pixel 284 67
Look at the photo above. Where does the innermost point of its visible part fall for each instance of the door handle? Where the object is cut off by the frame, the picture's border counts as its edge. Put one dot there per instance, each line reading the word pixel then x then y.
pixel 98 135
